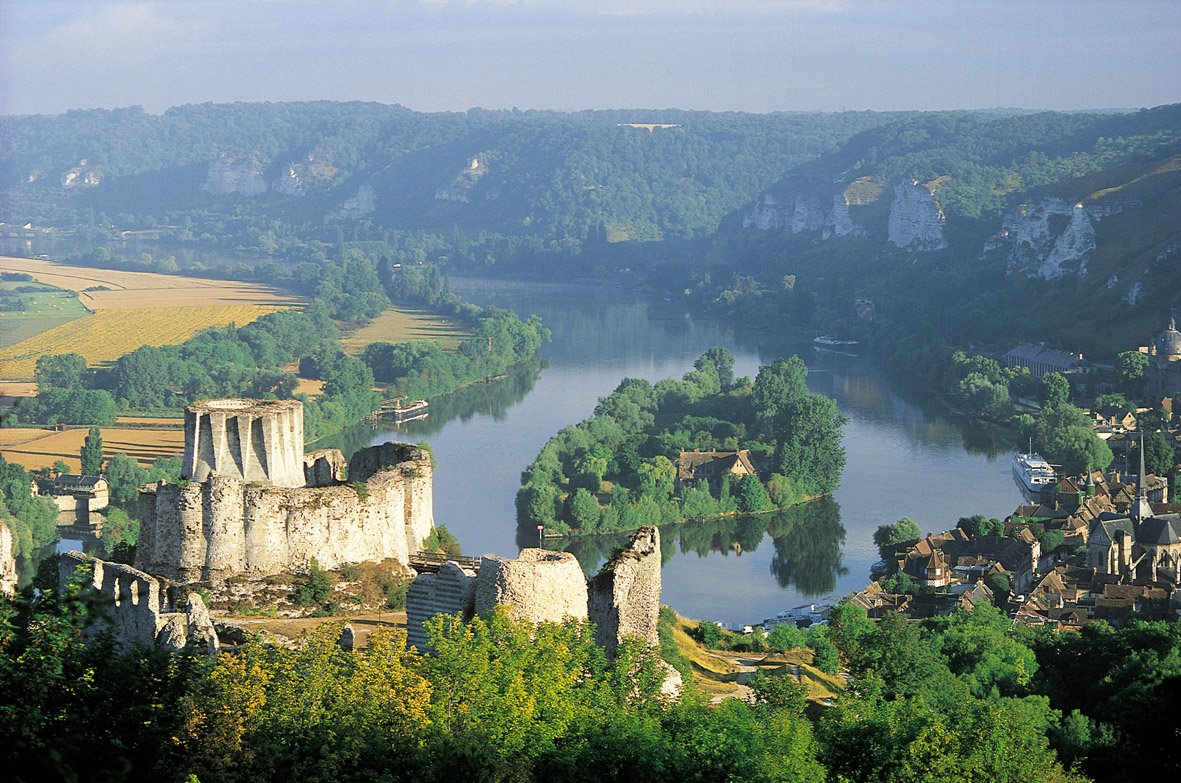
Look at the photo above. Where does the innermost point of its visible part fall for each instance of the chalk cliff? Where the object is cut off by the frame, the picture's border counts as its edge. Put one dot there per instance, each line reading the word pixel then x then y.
pixel 360 204
pixel 803 212
pixel 1046 239
pixel 228 175
pixel 82 175
pixel 916 221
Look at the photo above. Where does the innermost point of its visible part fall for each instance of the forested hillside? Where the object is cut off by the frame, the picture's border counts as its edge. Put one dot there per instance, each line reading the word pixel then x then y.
pixel 1016 226
pixel 230 172
pixel 1015 223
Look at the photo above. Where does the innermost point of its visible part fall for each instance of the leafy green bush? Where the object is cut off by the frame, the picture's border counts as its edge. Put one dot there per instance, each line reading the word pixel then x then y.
pixel 316 588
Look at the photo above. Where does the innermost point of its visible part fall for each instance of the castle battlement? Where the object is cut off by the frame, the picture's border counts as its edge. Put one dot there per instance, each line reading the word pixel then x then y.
pixel 253 440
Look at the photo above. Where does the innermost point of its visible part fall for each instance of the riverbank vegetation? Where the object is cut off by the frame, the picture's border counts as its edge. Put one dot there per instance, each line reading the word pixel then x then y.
pixel 256 359
pixel 771 443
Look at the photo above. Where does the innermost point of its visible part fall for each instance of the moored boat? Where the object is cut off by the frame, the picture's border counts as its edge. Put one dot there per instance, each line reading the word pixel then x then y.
pixel 826 340
pixel 1033 471
pixel 412 410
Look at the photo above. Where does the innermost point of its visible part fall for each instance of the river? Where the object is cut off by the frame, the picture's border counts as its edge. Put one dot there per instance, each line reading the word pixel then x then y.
pixel 904 459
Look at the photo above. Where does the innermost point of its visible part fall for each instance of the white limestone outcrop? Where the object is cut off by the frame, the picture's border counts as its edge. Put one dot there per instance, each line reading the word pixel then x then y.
pixel 810 212
pixel 82 175
pixel 360 204
pixel 1134 293
pixel 916 221
pixel 228 175
pixel 1048 239
pixel 839 222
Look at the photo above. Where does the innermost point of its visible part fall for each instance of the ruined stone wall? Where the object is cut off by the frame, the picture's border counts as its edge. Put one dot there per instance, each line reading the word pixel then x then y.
pixel 624 598
pixel 539 586
pixel 223 527
pixel 324 468
pixel 141 610
pixel 253 440
pixel 450 591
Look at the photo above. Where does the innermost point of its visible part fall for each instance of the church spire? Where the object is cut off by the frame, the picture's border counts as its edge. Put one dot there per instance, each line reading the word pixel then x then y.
pixel 1143 509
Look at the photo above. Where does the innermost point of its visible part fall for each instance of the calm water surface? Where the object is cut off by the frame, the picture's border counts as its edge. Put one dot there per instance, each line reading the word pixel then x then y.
pixel 902 460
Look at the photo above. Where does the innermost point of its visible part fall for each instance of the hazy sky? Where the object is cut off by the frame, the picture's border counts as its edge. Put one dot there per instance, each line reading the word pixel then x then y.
pixel 744 55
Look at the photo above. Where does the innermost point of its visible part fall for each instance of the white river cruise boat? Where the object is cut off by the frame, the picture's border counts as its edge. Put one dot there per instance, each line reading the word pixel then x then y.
pixel 1032 471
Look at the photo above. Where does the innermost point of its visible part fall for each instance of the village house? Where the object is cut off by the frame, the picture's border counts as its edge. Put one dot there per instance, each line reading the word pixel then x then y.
pixel 72 492
pixel 877 602
pixel 953 557
pixel 712 466
pixel 1112 420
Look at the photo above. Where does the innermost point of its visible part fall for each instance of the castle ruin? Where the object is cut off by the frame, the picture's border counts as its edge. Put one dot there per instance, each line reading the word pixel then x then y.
pixel 622 600
pixel 142 609
pixel 252 503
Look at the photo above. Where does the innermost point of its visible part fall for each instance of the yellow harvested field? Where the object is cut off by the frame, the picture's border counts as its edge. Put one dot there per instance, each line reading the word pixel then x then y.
pixel 397 324
pixel 18 389
pixel 312 388
pixel 111 333
pixel 39 447
pixel 145 289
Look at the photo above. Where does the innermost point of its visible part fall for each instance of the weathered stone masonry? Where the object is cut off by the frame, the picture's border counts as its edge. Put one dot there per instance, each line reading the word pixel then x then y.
pixel 243 511
pixel 144 610
pixel 623 600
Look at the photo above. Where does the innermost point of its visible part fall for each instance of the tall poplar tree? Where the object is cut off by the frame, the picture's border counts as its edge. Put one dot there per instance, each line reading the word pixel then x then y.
pixel 92 453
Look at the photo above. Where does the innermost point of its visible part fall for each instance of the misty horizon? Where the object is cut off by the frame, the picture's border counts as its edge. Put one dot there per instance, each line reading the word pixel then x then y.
pixel 572 55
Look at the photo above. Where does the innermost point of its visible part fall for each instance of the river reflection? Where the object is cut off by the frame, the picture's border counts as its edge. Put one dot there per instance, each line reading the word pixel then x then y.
pixel 492 400
pixel 806 544
pixel 904 457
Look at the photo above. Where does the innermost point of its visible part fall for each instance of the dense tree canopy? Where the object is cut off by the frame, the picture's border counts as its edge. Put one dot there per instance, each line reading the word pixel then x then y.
pixel 627 451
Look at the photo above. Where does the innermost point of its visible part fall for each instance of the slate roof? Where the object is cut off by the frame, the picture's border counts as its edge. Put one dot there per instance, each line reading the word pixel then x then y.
pixel 1162 530
pixel 74 481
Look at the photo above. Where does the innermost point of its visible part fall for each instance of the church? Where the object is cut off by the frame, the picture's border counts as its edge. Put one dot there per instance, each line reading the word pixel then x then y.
pixel 1138 544
pixel 1162 377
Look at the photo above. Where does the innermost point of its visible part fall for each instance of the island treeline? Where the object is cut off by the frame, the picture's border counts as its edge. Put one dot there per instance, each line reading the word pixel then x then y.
pixel 618 470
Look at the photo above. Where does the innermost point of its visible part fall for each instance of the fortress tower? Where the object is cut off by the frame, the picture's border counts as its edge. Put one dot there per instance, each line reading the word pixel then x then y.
pixel 258 441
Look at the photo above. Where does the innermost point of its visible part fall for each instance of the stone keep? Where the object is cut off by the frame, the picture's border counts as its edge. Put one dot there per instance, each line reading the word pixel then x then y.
pixel 251 440
pixel 253 506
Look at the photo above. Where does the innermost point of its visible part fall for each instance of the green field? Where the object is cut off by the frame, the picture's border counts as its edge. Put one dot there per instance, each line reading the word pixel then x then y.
pixel 43 309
